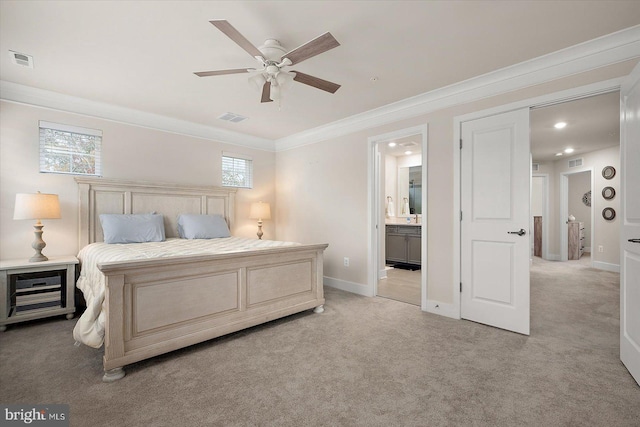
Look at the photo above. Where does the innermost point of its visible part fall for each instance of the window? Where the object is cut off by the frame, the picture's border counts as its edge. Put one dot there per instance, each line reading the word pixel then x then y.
pixel 237 171
pixel 70 149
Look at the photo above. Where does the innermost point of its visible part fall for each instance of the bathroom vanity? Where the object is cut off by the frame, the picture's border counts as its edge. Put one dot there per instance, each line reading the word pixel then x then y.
pixel 403 244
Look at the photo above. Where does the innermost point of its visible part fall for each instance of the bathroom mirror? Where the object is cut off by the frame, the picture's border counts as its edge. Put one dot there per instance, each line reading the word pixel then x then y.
pixel 415 190
pixel 409 190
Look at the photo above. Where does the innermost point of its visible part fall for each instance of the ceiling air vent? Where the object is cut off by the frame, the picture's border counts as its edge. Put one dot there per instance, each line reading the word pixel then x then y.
pixel 408 144
pixel 574 163
pixel 535 167
pixel 231 117
pixel 21 59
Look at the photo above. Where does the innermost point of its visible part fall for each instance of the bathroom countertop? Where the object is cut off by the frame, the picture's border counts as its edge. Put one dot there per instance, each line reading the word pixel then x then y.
pixel 411 224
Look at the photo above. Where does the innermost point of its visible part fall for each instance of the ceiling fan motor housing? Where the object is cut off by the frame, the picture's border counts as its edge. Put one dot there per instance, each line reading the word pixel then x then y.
pixel 272 50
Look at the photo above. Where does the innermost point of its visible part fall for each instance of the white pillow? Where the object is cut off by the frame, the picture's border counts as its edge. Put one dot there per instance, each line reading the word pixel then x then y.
pixel 193 226
pixel 135 228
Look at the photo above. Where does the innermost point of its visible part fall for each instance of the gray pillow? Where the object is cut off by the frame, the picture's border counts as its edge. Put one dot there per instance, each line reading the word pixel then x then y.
pixel 192 226
pixel 135 228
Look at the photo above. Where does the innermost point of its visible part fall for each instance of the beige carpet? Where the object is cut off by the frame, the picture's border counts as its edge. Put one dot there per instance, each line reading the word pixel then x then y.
pixel 364 362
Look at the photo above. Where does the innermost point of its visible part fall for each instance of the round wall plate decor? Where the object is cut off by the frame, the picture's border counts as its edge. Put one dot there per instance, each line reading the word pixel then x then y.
pixel 608 172
pixel 608 214
pixel 586 199
pixel 608 193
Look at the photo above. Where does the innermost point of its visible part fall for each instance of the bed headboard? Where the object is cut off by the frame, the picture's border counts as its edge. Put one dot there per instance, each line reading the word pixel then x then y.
pixel 99 196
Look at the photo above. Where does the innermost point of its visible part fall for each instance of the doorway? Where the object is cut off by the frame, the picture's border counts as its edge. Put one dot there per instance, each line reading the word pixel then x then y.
pixel 398 213
pixel 610 155
pixel 573 156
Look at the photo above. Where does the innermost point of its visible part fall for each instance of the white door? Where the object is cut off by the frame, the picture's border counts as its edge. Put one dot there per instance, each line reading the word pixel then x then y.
pixel 630 224
pixel 495 179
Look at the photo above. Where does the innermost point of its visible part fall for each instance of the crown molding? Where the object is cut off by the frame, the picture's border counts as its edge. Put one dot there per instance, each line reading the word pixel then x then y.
pixel 14 92
pixel 600 52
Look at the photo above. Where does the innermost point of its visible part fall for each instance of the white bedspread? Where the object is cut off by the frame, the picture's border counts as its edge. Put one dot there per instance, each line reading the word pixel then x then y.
pixel 89 329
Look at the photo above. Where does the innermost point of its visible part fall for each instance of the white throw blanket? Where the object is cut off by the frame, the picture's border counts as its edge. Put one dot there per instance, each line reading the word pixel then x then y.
pixel 89 329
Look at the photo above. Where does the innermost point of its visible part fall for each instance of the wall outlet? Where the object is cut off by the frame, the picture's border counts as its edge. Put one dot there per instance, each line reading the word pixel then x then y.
pixel 346 262
pixel 600 248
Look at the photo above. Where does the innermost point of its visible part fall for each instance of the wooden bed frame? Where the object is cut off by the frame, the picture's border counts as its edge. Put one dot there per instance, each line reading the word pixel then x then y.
pixel 159 305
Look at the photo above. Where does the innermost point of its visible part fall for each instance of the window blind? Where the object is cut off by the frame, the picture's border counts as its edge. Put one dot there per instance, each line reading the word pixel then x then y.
pixel 237 171
pixel 70 149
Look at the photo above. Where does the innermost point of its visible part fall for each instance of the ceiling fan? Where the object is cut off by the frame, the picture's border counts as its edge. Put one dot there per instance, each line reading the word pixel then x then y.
pixel 273 58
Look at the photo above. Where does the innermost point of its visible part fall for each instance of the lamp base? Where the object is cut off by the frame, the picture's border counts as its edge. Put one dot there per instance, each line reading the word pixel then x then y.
pixel 38 257
pixel 260 233
pixel 38 244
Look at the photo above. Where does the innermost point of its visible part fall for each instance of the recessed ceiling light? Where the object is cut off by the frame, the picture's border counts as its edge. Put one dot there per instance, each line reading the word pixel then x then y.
pixel 374 78
pixel 558 154
pixel 560 125
pixel 407 152
pixel 392 144
pixel 569 150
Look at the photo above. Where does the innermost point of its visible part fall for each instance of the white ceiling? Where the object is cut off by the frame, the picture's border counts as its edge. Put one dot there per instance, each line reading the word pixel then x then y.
pixel 142 54
pixel 592 124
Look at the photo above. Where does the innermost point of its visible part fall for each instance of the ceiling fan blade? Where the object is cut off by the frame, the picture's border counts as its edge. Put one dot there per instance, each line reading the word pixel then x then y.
pixel 235 35
pixel 266 92
pixel 312 48
pixel 221 72
pixel 316 82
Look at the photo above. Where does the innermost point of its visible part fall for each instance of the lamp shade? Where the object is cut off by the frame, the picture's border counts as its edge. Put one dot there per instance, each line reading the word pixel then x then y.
pixel 260 210
pixel 36 206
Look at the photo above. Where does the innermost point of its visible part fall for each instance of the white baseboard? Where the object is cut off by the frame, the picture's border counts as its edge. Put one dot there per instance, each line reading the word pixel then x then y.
pixel 447 310
pixel 344 285
pixel 605 266
pixel 553 257
pixel 382 274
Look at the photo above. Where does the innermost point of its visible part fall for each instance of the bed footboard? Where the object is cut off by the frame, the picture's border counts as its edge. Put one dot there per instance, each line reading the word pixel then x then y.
pixel 160 305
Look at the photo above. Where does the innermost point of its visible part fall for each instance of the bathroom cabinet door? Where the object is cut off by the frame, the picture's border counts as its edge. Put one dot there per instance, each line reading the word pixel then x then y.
pixel 396 247
pixel 414 245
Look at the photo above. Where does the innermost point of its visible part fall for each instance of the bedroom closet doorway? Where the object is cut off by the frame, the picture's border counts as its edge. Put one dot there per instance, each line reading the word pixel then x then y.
pixel 398 216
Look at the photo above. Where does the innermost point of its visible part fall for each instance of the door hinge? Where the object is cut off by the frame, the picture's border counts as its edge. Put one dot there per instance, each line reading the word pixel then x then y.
pixel 460 286
pixel 460 215
pixel 461 143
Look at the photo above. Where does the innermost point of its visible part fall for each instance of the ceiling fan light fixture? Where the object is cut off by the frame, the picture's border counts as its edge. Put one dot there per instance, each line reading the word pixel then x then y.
pixel 257 81
pixel 284 79
pixel 276 91
pixel 272 57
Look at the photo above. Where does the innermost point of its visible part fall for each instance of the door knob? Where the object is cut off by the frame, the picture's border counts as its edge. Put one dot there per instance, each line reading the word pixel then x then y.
pixel 634 240
pixel 521 232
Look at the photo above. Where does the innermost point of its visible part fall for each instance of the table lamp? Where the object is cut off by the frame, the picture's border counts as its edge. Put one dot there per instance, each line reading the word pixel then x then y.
pixel 260 211
pixel 37 206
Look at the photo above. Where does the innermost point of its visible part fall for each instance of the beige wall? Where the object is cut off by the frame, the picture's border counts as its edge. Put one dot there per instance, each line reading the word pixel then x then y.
pixel 579 184
pixel 321 189
pixel 390 172
pixel 537 194
pixel 129 152
pixel 606 233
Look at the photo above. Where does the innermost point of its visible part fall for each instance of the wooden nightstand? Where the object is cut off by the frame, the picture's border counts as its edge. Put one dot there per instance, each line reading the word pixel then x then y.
pixel 33 290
